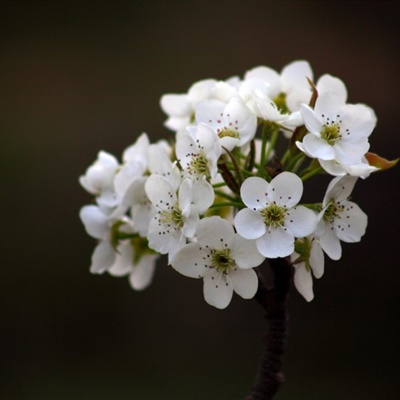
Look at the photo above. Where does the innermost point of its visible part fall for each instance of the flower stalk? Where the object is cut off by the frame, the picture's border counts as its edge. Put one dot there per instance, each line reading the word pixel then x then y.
pixel 273 300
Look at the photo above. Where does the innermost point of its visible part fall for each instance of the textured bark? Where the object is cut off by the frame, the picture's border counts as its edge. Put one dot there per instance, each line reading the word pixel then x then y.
pixel 273 300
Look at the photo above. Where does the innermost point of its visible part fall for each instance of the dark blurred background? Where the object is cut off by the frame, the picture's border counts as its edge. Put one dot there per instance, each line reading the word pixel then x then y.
pixel 77 77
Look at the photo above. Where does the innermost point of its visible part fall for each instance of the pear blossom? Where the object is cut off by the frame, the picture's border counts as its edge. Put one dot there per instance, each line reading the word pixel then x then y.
pixel 273 218
pixel 340 219
pixel 99 179
pixel 308 260
pixel 233 122
pixel 180 108
pixel 135 260
pixel 99 226
pixel 223 259
pixel 338 131
pixel 290 88
pixel 176 214
pixel 198 150
pixel 255 95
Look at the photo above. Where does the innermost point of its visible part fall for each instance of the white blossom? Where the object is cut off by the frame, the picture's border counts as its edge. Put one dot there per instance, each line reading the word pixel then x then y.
pixel 136 261
pixel 309 262
pixel 180 108
pixel 99 179
pixel 98 225
pixel 272 217
pixel 291 84
pixel 176 214
pixel 233 122
pixel 198 151
pixel 223 259
pixel 340 219
pixel 338 132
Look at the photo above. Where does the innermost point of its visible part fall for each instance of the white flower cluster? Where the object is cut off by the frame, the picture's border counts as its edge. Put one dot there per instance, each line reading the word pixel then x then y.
pixel 219 200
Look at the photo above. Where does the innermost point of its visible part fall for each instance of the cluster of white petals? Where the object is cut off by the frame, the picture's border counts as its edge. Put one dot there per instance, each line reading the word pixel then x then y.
pixel 220 199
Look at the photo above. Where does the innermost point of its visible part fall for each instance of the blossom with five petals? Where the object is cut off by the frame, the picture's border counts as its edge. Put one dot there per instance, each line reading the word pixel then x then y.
pixel 338 132
pixel 176 214
pixel 223 259
pixel 340 219
pixel 272 217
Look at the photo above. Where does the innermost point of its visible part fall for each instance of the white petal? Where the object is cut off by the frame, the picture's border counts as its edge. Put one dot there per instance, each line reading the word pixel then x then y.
pixel 328 103
pixel 95 222
pixel 214 232
pixel 160 191
pixel 249 224
pixel 103 257
pixel 331 244
pixel 301 221
pixel 239 118
pixel 362 170
pixel 330 83
pixel 201 90
pixel 229 143
pixel 128 174
pixel 317 261
pixel 203 195
pixel 218 289
pixel 225 91
pixel 177 123
pixel 268 75
pixel 245 252
pixel 253 192
pixel 311 121
pixel 207 138
pixel 318 148
pixel 359 119
pixel 295 75
pixel 164 239
pixel 123 261
pixel 277 242
pixel 189 226
pixel 332 167
pixel 209 112
pixel 352 224
pixel 138 151
pixel 143 273
pixel 191 260
pixel 285 189
pixel 303 281
pixel 245 282
pixel 175 104
pixel 339 189
pixel 350 153
pixel 159 161
pixel 299 96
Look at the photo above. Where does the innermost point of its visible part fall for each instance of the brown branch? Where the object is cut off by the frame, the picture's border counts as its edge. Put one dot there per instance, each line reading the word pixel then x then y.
pixel 273 301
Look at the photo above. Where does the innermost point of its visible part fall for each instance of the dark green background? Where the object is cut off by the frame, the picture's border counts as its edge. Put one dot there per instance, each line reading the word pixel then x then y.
pixel 77 77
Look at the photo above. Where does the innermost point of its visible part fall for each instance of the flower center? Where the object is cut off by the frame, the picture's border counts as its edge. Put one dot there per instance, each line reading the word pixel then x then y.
pixel 331 133
pixel 222 261
pixel 333 211
pixel 198 166
pixel 280 102
pixel 173 217
pixel 274 215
